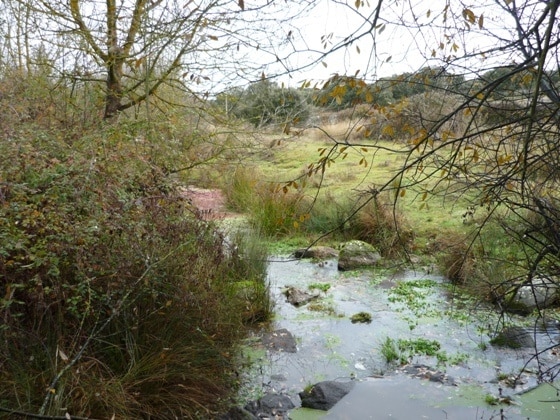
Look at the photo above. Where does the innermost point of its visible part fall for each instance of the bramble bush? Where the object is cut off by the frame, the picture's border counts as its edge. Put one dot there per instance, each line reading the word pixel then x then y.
pixel 114 299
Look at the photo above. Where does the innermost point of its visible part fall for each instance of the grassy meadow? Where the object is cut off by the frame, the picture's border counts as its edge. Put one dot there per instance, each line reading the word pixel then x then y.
pixel 287 202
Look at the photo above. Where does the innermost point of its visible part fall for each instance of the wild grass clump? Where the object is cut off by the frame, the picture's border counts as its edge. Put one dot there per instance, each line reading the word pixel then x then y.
pixel 456 256
pixel 115 302
pixel 272 209
pixel 384 226
pixel 330 214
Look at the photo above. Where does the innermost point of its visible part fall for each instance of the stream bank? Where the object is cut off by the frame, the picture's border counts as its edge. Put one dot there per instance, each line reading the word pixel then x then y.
pixel 405 307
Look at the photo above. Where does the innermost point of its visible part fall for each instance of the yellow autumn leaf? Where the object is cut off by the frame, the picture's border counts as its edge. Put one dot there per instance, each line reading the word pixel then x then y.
pixel 469 15
pixel 402 193
pixel 389 130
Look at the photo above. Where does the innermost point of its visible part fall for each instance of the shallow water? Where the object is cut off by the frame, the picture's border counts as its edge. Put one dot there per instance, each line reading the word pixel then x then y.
pixel 331 347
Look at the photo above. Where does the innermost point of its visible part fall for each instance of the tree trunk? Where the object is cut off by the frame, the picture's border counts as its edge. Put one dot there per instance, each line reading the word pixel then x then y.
pixel 113 96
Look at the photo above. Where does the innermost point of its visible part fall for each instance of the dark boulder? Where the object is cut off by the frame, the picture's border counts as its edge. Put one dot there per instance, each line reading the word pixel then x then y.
pixel 324 395
pixel 271 406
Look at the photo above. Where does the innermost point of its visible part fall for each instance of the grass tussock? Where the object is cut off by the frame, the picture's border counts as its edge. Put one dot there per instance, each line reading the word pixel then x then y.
pixel 272 209
pixel 384 226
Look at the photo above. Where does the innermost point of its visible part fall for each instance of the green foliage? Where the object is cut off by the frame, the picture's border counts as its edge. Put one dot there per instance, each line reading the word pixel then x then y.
pixel 323 287
pixel 109 284
pixel 330 214
pixel 390 350
pixel 264 103
pixel 402 350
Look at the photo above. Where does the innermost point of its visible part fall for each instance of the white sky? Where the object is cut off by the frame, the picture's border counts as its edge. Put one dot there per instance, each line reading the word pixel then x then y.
pixel 401 47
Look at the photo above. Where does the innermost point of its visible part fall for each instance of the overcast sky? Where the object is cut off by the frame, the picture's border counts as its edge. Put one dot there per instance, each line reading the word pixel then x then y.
pixel 400 46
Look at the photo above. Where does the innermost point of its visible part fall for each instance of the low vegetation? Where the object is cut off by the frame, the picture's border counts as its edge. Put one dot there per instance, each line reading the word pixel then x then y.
pixel 403 351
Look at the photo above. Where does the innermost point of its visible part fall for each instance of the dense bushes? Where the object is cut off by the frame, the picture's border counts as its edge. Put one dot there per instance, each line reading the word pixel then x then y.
pixel 113 302
pixel 264 103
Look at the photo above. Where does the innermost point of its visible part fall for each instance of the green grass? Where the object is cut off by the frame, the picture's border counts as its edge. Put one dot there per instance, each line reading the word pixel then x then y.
pixel 403 350
pixel 323 287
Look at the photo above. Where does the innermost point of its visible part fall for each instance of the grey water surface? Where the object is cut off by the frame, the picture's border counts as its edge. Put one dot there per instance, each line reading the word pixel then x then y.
pixel 331 347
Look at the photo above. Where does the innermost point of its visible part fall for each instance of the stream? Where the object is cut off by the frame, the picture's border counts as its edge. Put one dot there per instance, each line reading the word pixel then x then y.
pixel 410 305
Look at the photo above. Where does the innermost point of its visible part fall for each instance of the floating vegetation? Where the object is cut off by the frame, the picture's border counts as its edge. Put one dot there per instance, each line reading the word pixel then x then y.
pixel 323 287
pixel 402 350
pixel 361 317
pixel 414 296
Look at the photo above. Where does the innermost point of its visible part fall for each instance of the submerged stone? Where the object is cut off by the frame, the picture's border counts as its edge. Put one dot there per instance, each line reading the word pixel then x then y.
pixel 271 406
pixel 513 337
pixel 298 297
pixel 280 340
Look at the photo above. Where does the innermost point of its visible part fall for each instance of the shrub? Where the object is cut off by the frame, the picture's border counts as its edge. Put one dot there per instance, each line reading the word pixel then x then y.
pixel 264 103
pixel 113 301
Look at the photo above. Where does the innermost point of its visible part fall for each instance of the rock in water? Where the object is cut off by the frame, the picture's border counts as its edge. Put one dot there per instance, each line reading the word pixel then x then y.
pixel 271 406
pixel 298 297
pixel 539 293
pixel 357 254
pixel 514 337
pixel 324 395
pixel 318 252
pixel 280 340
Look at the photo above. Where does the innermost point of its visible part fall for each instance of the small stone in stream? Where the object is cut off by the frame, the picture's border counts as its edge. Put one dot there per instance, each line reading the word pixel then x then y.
pixel 317 252
pixel 272 406
pixel 324 395
pixel 298 297
pixel 280 340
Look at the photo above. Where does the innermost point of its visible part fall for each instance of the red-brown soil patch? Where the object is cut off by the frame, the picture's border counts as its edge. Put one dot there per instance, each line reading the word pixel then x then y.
pixel 210 204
